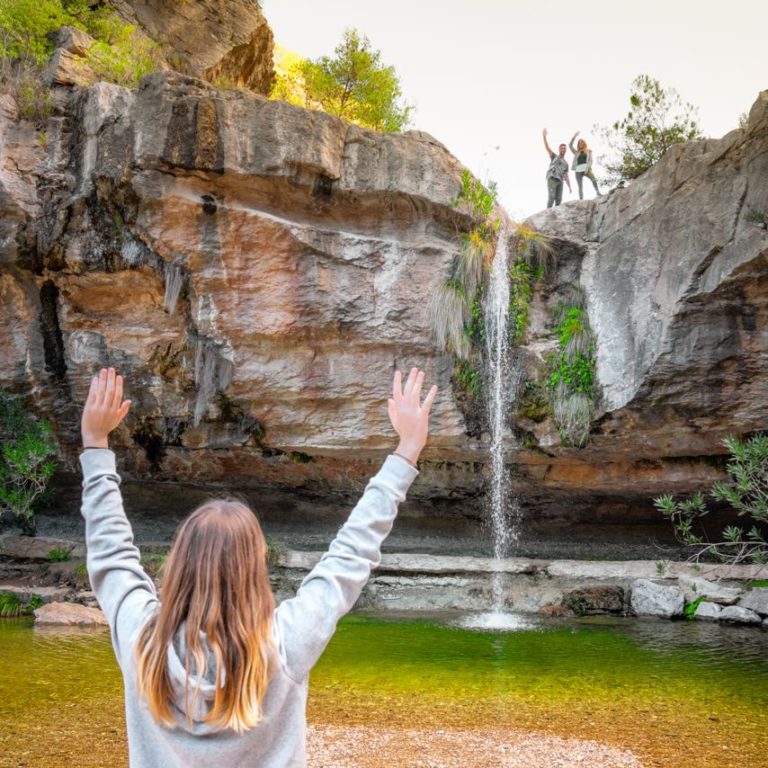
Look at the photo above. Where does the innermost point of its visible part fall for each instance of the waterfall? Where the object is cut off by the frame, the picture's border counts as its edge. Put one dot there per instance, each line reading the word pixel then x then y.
pixel 502 380
pixel 497 358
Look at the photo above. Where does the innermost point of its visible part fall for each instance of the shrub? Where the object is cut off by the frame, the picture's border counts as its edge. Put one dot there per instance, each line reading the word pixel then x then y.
pixel 80 571
pixel 124 60
pixel 60 554
pixel 153 563
pixel 572 377
pixel 657 119
pixel 275 551
pixel 689 610
pixel 119 54
pixel 34 102
pixel 746 492
pixel 25 26
pixel 27 460
pixel 12 606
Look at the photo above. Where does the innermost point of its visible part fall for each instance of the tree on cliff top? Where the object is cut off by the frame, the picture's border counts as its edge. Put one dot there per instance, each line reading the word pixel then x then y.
pixel 657 119
pixel 353 84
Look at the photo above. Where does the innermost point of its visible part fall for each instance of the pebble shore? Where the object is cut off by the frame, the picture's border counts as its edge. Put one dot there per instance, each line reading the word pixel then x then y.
pixel 366 747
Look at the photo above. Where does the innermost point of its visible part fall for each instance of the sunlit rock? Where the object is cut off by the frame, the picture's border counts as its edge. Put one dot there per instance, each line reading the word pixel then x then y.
pixel 650 599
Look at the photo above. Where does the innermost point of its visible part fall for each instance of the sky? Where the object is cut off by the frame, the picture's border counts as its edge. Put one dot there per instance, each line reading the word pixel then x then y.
pixel 486 76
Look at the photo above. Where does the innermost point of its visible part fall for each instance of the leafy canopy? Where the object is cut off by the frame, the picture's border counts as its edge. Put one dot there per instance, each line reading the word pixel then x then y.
pixel 657 119
pixel 352 84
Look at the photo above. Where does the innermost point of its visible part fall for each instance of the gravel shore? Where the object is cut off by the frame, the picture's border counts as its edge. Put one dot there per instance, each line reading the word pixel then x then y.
pixel 363 747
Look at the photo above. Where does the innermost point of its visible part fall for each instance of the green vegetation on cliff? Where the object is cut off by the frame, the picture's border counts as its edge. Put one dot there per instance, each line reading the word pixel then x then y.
pixel 117 54
pixel 353 84
pixel 572 377
pixel 657 119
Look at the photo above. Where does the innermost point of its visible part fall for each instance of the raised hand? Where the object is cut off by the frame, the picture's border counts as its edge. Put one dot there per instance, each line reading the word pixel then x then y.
pixel 104 409
pixel 409 416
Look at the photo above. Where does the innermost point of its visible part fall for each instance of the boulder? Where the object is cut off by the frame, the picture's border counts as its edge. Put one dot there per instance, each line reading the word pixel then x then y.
pixel 714 593
pixel 651 599
pixel 710 611
pixel 738 615
pixel 37 549
pixel 69 614
pixel 67 68
pixel 756 600
pixel 594 600
pixel 227 42
pixel 72 40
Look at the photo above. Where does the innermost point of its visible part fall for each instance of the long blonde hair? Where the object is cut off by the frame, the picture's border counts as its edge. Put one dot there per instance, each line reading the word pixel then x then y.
pixel 215 582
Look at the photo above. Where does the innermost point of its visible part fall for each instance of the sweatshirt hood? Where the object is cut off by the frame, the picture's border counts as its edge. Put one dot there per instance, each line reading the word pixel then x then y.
pixel 193 694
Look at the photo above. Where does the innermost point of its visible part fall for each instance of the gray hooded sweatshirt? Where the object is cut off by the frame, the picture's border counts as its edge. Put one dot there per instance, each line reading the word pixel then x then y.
pixel 301 628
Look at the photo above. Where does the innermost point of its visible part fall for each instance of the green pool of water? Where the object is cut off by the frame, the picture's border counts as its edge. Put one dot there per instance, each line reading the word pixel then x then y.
pixel 682 693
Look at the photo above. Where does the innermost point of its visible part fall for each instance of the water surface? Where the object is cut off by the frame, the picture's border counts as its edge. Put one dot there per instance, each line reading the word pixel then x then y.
pixel 675 693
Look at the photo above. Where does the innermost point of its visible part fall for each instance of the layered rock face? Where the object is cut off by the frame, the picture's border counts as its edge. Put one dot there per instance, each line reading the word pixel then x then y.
pixel 258 271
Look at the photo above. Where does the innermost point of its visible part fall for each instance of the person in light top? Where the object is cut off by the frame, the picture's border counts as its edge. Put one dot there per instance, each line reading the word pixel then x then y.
pixel 582 165
pixel 214 673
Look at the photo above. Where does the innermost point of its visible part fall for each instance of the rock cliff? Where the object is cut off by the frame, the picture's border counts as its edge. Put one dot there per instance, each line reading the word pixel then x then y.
pixel 258 271
pixel 675 275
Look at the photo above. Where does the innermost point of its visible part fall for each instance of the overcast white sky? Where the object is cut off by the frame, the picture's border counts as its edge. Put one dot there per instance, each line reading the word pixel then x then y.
pixel 486 76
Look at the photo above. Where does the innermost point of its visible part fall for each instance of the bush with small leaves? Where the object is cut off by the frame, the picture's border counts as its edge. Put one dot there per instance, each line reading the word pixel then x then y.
pixel 746 491
pixel 28 451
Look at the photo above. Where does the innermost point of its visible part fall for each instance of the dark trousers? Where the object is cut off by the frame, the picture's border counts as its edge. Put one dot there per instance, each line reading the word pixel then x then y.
pixel 555 189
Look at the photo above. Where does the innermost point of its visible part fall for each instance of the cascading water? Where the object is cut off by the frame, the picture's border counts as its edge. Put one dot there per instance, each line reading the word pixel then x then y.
pixel 502 382
pixel 497 358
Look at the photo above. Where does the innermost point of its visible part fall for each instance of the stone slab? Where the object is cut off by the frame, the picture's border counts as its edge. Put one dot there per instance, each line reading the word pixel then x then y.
pixel 37 548
pixel 708 611
pixel 756 600
pixel 70 614
pixel 46 594
pixel 739 615
pixel 715 593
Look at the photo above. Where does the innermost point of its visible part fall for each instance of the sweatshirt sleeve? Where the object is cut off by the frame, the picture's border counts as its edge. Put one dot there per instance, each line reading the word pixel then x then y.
pixel 307 622
pixel 125 592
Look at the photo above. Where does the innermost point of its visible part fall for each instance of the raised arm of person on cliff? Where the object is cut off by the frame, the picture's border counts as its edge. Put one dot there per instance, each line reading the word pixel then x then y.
pixel 571 145
pixel 546 144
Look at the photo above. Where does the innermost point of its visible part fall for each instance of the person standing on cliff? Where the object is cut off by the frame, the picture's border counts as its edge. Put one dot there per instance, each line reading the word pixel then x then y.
pixel 556 173
pixel 582 165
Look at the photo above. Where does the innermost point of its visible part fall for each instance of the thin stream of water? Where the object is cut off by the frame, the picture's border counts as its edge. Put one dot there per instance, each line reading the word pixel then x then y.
pixel 501 388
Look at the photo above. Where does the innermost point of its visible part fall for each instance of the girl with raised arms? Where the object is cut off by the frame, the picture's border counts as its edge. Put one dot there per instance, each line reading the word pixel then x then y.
pixel 214 673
